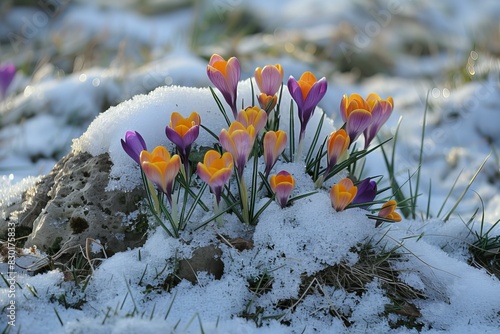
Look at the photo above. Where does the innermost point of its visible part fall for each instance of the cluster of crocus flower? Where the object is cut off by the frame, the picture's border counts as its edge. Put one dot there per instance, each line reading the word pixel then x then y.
pixel 240 139
pixel 253 134
pixel 160 167
pixel 7 73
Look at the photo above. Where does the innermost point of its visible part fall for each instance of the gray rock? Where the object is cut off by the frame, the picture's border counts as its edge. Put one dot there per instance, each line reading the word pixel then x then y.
pixel 71 204
pixel 205 259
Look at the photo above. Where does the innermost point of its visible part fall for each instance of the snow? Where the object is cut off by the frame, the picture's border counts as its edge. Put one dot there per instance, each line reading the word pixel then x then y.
pixel 302 239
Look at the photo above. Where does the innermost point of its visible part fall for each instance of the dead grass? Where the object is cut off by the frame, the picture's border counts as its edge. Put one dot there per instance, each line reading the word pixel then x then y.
pixel 354 279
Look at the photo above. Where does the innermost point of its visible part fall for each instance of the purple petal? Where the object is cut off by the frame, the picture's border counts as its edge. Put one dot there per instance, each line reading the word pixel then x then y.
pixel 218 80
pixel 133 145
pixel 369 134
pixel 271 80
pixel 182 142
pixel 295 92
pixel 192 134
pixel 380 114
pixel 224 86
pixel 7 73
pixel 318 90
pixel 233 72
pixel 174 137
pixel 358 121
pixel 367 190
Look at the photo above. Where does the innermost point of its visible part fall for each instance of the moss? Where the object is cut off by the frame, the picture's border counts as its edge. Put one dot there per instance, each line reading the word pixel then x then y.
pixel 78 224
pixel 140 224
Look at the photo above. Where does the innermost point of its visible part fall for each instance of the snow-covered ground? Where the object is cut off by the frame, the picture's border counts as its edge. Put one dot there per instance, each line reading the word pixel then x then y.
pixel 443 55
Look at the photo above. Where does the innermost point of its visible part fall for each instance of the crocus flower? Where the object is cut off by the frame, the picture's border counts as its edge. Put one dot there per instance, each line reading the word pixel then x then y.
pixel 183 132
pixel 133 145
pixel 381 111
pixel 367 190
pixel 356 113
pixel 216 171
pixel 336 144
pixel 225 76
pixel 253 116
pixel 282 185
pixel 7 73
pixel 161 169
pixel 306 92
pixel 342 194
pixel 387 211
pixel 238 141
pixel 274 145
pixel 269 80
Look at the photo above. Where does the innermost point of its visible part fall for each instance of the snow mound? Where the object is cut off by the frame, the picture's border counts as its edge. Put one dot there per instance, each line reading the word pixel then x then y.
pixel 150 114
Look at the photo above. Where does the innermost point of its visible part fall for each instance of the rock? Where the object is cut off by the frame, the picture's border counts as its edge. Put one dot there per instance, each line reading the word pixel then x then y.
pixel 71 204
pixel 204 259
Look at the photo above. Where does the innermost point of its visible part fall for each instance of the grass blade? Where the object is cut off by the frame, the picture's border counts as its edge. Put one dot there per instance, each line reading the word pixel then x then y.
pixel 466 188
pixel 220 105
pixel 449 193
pixel 420 156
pixel 429 200
pixel 396 189
pixel 315 139
pixel 291 131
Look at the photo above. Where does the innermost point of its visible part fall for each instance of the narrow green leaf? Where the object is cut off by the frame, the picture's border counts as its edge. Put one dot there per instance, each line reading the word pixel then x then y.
pixel 196 201
pixel 449 193
pixel 429 200
pixel 315 138
pixel 58 317
pixel 296 198
pixel 466 188
pixel 421 154
pixel 220 105
pixel 210 132
pixel 170 306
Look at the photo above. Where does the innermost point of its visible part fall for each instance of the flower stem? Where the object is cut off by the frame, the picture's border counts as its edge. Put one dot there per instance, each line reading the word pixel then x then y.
pixel 319 182
pixel 244 200
pixel 175 214
pixel 217 211
pixel 298 153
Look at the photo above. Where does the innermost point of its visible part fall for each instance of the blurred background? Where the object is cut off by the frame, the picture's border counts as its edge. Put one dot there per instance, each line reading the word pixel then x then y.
pixel 75 59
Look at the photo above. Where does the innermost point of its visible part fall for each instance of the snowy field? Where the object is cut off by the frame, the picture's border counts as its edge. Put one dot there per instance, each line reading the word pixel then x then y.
pixel 88 71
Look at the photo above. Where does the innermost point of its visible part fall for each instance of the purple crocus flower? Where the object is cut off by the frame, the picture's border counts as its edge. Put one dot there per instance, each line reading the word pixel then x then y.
pixel 381 111
pixel 356 113
pixel 367 190
pixel 183 132
pixel 225 76
pixel 306 92
pixel 133 145
pixel 7 73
